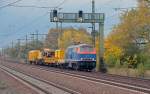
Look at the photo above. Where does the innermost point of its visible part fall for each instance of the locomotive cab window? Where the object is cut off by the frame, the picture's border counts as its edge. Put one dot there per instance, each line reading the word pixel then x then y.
pixel 86 48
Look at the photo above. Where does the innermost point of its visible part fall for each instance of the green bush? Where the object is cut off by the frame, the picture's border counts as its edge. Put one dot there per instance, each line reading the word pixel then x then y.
pixel 132 61
pixel 111 61
pixel 3 85
pixel 126 68
pixel 147 65
pixel 144 59
pixel 141 70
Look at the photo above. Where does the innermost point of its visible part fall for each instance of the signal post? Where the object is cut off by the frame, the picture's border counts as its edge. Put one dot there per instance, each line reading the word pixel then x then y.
pixel 81 17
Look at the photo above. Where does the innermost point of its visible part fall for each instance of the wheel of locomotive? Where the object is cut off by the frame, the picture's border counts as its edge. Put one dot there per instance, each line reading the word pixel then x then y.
pixel 61 66
pixel 30 62
pixel 35 63
pixel 64 65
pixel 75 66
pixel 40 62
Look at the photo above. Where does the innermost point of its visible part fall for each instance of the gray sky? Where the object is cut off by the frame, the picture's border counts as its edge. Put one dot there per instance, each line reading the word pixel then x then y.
pixel 16 22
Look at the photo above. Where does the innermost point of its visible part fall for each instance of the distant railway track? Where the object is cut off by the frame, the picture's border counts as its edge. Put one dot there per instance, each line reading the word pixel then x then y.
pixel 112 80
pixel 39 85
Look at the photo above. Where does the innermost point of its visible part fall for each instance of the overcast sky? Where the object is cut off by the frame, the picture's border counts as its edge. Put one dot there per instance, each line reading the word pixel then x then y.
pixel 16 22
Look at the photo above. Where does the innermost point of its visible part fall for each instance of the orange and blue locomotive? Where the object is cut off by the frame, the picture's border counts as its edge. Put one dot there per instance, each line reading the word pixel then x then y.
pixel 82 56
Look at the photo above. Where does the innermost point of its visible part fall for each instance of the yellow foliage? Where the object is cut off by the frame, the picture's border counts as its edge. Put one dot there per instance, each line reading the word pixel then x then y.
pixel 111 49
pixel 134 24
pixel 71 36
pixel 122 41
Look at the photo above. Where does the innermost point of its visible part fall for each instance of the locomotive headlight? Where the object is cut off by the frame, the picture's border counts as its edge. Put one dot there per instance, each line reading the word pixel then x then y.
pixel 55 19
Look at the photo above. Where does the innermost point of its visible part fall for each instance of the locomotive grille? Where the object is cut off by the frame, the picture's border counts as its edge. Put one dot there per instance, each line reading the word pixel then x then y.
pixel 87 59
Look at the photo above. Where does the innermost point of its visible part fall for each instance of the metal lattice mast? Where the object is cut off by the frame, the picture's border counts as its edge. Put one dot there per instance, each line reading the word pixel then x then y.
pixel 93 23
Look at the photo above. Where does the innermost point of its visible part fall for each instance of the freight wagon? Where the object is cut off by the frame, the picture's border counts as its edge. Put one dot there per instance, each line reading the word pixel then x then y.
pixel 34 56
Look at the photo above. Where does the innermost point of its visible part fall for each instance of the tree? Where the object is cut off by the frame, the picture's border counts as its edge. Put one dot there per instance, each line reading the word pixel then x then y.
pixel 72 36
pixel 132 34
pixel 112 53
pixel 51 40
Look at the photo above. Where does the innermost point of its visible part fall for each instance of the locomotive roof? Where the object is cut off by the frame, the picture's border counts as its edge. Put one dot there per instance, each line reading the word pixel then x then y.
pixel 73 46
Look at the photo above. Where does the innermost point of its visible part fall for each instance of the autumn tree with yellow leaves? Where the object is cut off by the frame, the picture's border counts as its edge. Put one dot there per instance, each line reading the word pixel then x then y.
pixel 72 36
pixel 112 53
pixel 132 35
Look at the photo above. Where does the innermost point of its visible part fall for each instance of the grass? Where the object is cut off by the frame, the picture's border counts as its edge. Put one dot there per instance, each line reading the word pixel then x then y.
pixel 3 85
pixel 128 72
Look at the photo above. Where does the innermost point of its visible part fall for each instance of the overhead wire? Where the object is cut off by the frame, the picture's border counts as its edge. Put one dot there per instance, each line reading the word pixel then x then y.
pixel 2 1
pixel 24 26
pixel 33 6
pixel 10 4
pixel 31 22
pixel 107 3
pixel 116 9
pixel 64 1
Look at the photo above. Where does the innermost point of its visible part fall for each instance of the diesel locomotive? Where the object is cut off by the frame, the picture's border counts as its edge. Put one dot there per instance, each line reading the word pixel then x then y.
pixel 81 56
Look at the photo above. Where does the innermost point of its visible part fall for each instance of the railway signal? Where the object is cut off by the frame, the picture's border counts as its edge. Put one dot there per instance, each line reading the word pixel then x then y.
pixel 80 19
pixel 55 15
pixel 85 18
pixel 80 14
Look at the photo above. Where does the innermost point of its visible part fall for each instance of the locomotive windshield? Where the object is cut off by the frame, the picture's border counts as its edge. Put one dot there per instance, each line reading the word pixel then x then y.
pixel 86 49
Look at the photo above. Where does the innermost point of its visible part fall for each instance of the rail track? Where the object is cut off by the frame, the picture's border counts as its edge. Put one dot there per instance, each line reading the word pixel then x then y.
pixel 105 79
pixel 39 85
